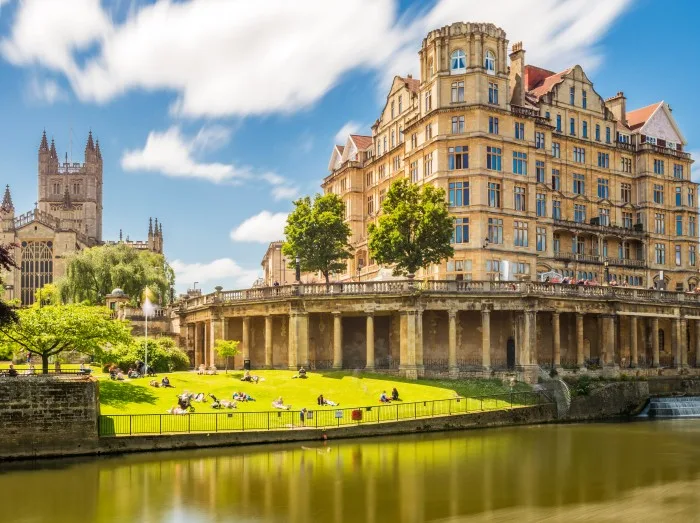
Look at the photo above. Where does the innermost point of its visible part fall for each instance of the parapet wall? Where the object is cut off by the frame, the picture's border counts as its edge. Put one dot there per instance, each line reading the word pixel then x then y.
pixel 42 415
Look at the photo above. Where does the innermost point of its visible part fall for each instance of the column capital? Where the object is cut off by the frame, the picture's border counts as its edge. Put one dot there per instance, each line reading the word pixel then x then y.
pixel 336 313
pixel 452 313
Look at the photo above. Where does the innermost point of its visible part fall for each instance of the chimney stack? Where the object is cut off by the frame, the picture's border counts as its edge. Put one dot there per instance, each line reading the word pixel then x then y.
pixel 516 74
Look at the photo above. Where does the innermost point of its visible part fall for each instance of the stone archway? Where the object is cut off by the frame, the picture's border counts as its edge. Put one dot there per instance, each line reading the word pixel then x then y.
pixel 510 353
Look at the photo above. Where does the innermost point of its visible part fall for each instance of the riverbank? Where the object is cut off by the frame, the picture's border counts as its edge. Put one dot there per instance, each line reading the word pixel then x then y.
pixel 26 425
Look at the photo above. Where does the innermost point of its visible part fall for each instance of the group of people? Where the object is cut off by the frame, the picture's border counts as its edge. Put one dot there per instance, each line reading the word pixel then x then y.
pixel 203 369
pixel 247 376
pixel 383 398
pixel 164 383
pixel 242 396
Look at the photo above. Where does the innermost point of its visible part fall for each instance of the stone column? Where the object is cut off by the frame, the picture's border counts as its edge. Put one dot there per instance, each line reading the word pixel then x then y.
pixel 556 341
pixel 268 342
pixel 293 346
pixel 452 343
pixel 528 354
pixel 419 343
pixel 408 344
pixel 369 364
pixel 634 358
pixel 579 340
pixel 609 339
pixel 697 343
pixel 684 342
pixel 337 340
pixel 655 342
pixel 486 339
pixel 197 356
pixel 245 338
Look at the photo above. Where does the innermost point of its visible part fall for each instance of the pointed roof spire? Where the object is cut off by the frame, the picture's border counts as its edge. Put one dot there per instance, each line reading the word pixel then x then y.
pixel 44 144
pixel 67 203
pixel 53 153
pixel 90 144
pixel 97 148
pixel 150 226
pixel 121 236
pixel 156 231
pixel 160 231
pixel 7 205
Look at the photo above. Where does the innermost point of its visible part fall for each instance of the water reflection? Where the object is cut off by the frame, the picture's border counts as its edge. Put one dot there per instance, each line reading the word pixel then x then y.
pixel 635 471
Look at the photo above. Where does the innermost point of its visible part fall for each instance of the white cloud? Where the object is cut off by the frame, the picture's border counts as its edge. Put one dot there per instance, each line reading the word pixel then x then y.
pixel 349 128
pixel 171 154
pixel 285 193
pixel 264 227
pixel 224 271
pixel 221 58
pixel 45 91
pixel 269 56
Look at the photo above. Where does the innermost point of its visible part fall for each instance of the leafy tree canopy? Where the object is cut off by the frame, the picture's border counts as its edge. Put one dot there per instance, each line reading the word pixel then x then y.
pixel 226 349
pixel 93 273
pixel 414 230
pixel 317 233
pixel 7 262
pixel 52 329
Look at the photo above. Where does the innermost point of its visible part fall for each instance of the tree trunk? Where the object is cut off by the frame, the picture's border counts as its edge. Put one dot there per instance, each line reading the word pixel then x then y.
pixel 44 363
pixel 327 275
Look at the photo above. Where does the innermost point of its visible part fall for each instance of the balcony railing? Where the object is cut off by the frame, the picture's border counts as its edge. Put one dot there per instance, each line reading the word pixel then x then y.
pixel 409 287
pixel 594 258
pixel 662 150
pixel 526 112
pixel 599 229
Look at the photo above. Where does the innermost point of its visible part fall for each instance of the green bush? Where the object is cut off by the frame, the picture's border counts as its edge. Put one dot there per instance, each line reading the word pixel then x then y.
pixel 163 355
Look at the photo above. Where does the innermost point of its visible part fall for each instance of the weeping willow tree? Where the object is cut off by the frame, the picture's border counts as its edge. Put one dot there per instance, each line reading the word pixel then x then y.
pixel 93 273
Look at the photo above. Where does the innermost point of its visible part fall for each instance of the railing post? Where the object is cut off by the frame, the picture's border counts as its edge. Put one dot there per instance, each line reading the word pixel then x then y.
pixel 189 423
pixel 160 424
pixel 130 417
pixel 397 412
pixel 415 407
pixel 243 421
pixel 216 423
pixel 268 420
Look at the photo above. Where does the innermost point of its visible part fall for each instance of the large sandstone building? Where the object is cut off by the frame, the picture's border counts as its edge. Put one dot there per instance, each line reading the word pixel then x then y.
pixel 544 177
pixel 67 217
pixel 540 170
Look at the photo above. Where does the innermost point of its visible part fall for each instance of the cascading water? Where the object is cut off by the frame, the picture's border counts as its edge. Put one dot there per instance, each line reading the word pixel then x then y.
pixel 675 407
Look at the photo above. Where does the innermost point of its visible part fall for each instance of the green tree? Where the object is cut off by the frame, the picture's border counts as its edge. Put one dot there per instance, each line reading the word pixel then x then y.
pixel 49 330
pixel 414 230
pixel 49 294
pixel 226 349
pixel 316 232
pixel 93 273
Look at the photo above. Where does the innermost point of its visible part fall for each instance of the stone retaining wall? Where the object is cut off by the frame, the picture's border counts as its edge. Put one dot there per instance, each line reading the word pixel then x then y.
pixel 45 415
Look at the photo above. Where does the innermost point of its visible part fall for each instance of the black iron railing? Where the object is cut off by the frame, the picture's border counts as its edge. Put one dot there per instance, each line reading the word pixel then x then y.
pixel 232 421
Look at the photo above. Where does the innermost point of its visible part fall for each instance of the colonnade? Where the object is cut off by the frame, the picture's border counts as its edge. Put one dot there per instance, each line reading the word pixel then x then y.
pixel 201 336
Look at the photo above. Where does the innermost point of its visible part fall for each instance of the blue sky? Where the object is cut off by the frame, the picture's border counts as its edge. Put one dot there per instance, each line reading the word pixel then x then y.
pixel 213 115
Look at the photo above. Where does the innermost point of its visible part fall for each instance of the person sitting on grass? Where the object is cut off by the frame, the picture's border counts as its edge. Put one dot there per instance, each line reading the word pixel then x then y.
pixel 133 373
pixel 154 383
pixel 394 394
pixel 242 396
pixel 383 398
pixel 279 404
pixel 247 376
pixel 200 398
pixel 301 374
pixel 324 402
pixel 165 382
pixel 12 372
pixel 212 370
pixel 201 369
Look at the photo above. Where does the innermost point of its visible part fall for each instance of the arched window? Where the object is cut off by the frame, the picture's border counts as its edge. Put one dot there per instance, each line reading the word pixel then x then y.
pixel 490 62
pixel 458 62
pixel 37 268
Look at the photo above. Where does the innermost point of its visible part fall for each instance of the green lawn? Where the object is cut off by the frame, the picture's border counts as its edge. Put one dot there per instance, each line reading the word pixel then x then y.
pixel 347 389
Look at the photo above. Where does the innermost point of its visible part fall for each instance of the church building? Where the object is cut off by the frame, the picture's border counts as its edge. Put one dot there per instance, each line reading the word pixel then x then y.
pixel 66 218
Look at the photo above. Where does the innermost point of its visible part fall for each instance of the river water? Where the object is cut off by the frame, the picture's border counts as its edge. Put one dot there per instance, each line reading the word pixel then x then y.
pixel 640 471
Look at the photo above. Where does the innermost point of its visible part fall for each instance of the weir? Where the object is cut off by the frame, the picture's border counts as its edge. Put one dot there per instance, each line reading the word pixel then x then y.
pixel 676 407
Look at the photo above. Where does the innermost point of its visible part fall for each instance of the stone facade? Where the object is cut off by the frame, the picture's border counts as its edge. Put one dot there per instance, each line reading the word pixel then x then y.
pixel 449 328
pixel 540 170
pixel 67 218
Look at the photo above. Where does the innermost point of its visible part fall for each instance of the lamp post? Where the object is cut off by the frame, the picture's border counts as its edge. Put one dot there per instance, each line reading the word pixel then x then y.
pixel 297 269
pixel 359 271
pixel 147 311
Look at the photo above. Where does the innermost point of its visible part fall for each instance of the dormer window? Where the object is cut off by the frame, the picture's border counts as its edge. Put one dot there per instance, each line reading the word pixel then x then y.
pixel 490 62
pixel 458 62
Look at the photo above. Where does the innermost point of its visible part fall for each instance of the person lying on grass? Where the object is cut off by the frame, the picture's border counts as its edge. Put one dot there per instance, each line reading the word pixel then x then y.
pixel 279 404
pixel 242 396
pixel 321 401
pixel 217 403
pixel 301 374
pixel 247 376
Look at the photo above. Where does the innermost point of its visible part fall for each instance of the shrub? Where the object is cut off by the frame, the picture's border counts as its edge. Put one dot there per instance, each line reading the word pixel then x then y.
pixel 163 355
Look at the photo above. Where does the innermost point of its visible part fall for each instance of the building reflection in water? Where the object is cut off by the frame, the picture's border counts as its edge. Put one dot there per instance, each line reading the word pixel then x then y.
pixel 528 472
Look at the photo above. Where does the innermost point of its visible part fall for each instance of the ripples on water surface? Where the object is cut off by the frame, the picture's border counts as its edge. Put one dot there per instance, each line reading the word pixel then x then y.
pixel 647 471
